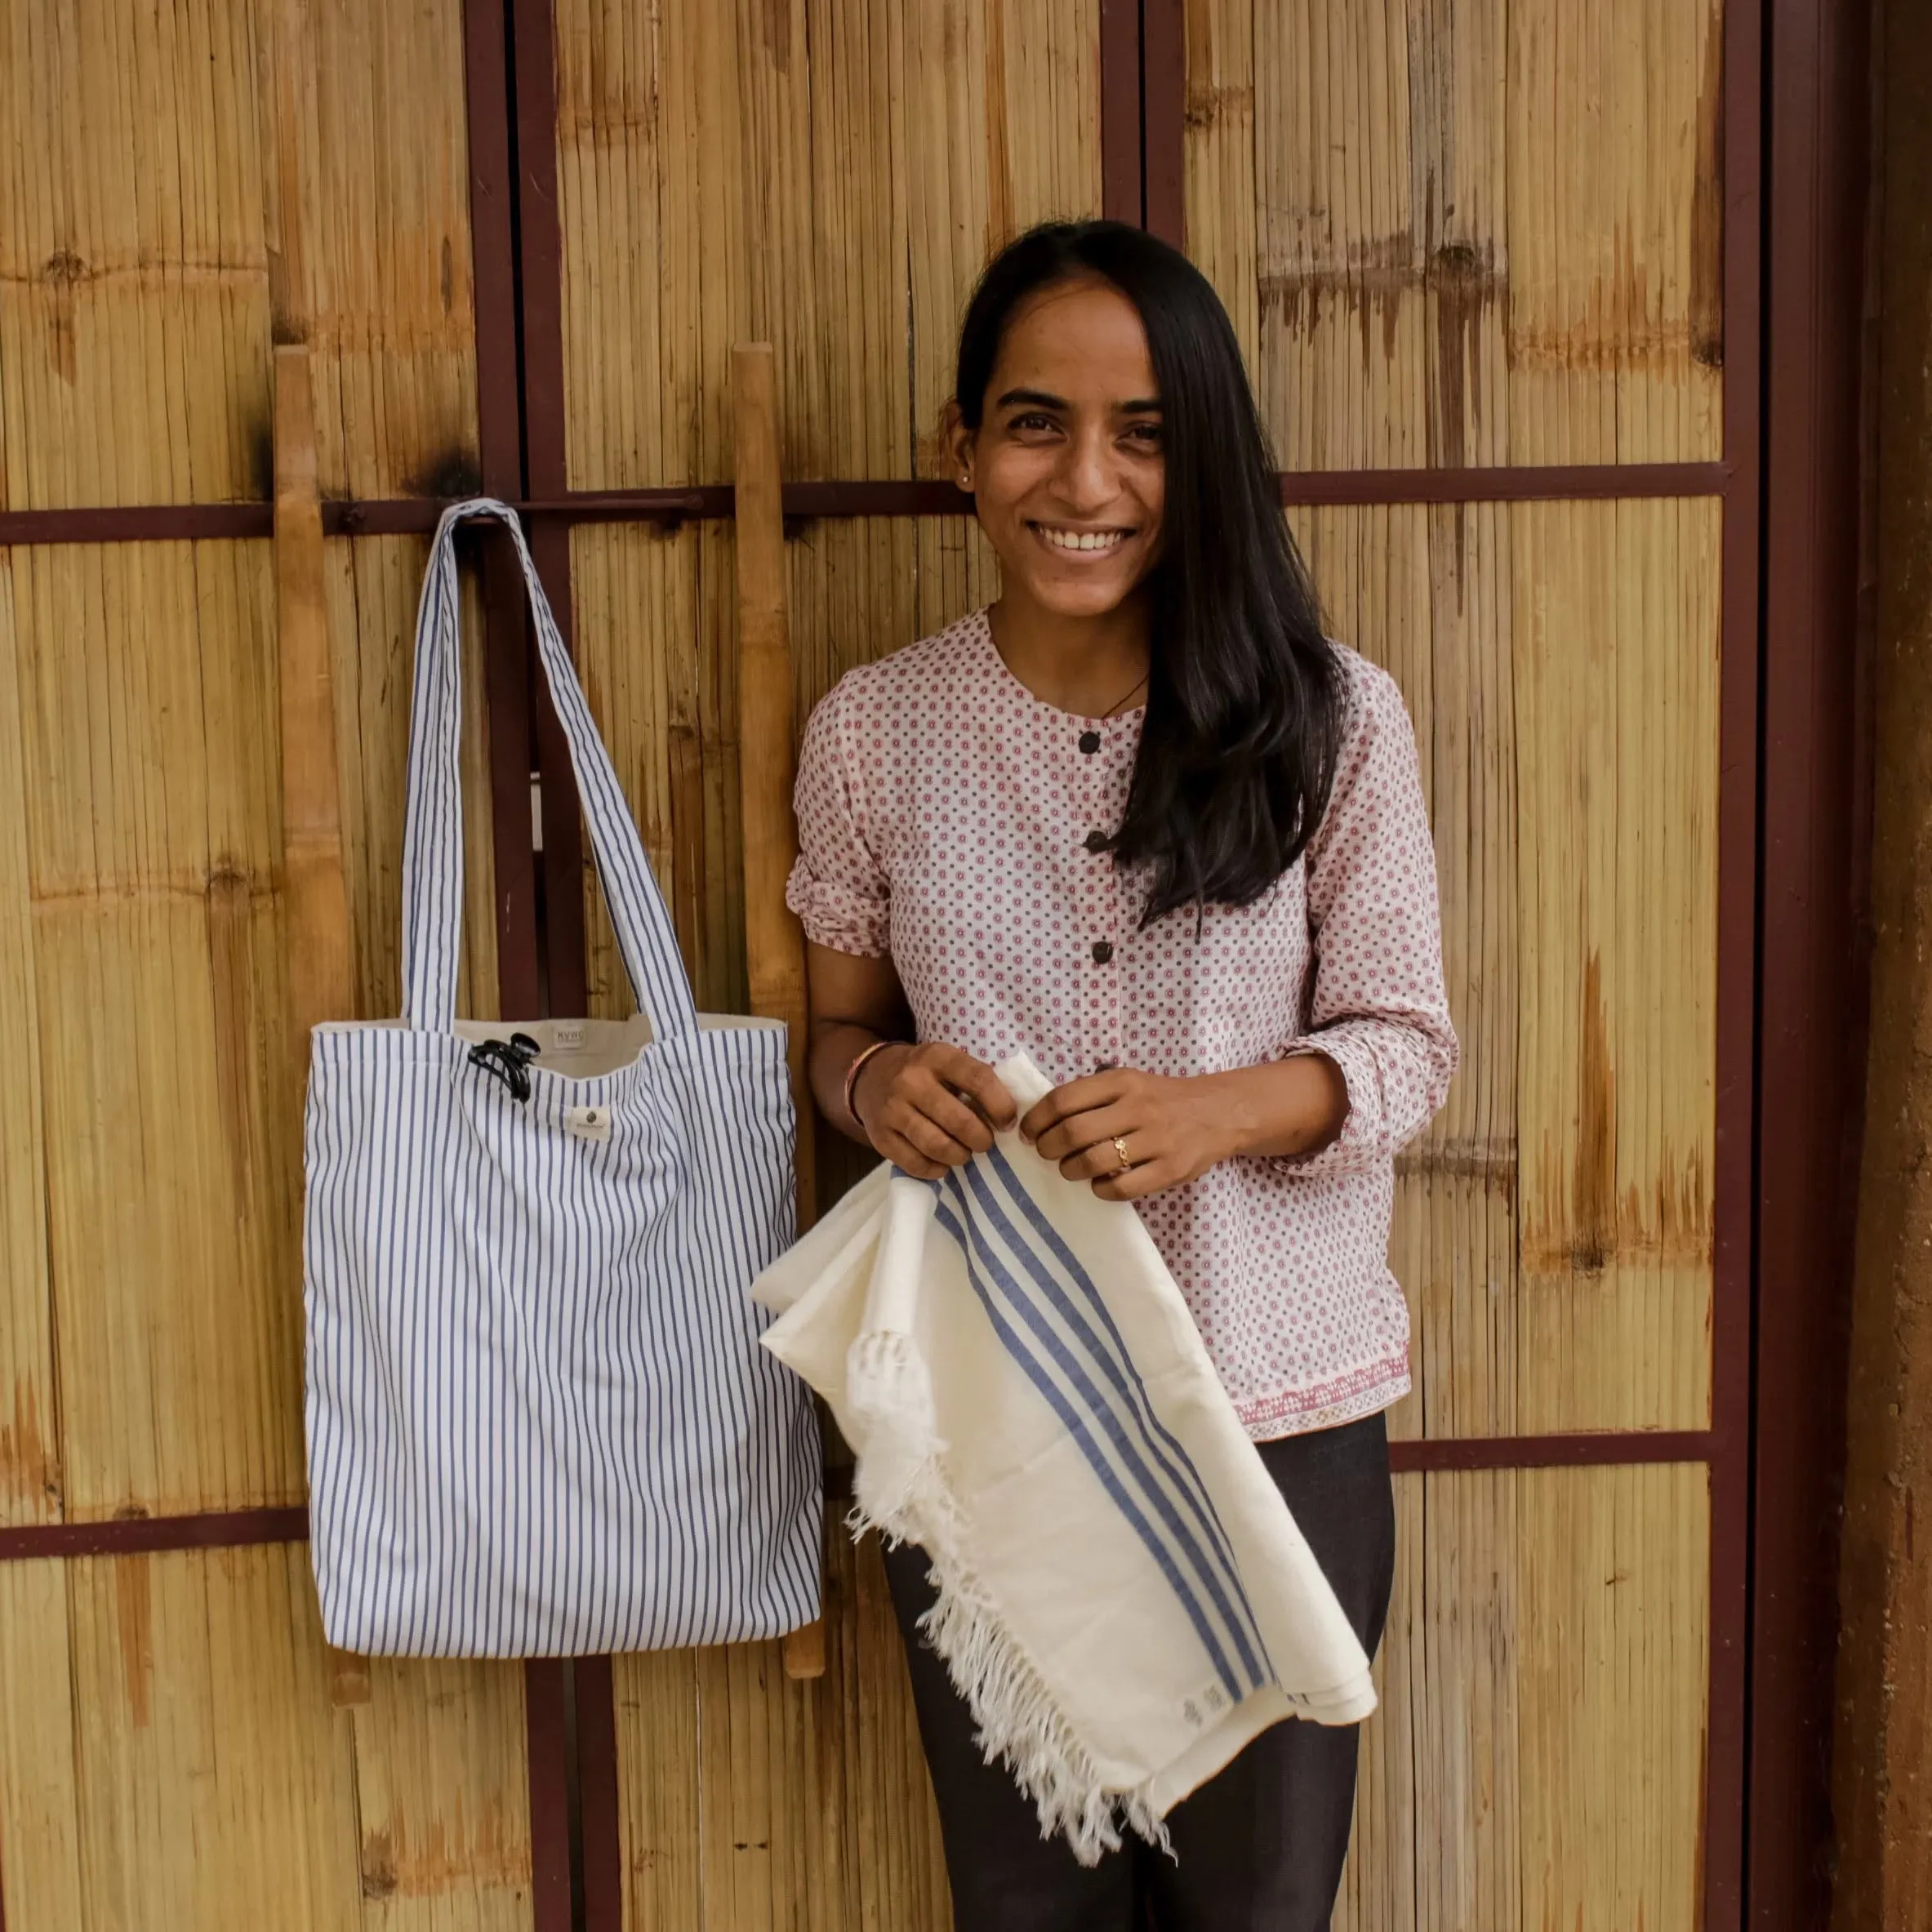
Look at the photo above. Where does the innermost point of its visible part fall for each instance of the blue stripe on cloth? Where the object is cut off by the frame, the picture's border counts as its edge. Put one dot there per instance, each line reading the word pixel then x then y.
pixel 1120 1460
pixel 1206 1546
pixel 1066 1279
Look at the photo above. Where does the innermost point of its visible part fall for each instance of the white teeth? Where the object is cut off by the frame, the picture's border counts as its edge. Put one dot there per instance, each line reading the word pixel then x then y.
pixel 1081 540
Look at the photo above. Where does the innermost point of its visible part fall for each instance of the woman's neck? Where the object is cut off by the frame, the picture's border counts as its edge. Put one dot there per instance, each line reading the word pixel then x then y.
pixel 1086 665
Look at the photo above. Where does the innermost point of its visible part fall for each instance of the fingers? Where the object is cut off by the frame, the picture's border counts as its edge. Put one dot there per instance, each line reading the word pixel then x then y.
pixel 912 1142
pixel 964 1073
pixel 1092 1090
pixel 1095 1129
pixel 919 1121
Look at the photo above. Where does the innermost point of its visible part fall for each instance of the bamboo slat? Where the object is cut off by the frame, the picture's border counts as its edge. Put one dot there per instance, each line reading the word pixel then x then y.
pixel 823 174
pixel 29 1420
pixel 774 945
pixel 1478 233
pixel 320 978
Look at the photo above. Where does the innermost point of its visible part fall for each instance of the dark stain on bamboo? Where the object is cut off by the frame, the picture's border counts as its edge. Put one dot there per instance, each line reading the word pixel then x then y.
pixel 61 270
pixel 1593 1184
pixel 452 473
pixel 28 1470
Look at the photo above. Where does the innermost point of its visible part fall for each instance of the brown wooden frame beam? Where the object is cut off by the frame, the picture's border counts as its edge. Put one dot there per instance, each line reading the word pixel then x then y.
pixel 213 1530
pixel 885 496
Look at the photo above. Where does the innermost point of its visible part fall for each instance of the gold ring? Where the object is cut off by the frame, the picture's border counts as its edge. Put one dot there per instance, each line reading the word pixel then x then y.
pixel 1120 1148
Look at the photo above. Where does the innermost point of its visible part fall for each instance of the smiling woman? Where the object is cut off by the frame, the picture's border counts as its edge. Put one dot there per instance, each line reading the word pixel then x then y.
pixel 1141 821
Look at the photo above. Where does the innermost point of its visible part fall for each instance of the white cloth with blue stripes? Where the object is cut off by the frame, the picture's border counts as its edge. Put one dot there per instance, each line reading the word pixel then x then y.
pixel 539 1420
pixel 1124 1599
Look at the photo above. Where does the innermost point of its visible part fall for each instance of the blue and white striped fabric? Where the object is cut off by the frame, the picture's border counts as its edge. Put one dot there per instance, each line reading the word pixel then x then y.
pixel 1052 1321
pixel 1121 1595
pixel 540 1422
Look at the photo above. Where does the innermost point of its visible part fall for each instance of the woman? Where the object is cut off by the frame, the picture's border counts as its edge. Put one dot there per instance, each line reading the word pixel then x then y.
pixel 1141 820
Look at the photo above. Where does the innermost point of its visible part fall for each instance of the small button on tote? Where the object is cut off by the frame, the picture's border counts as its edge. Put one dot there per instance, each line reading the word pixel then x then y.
pixel 539 1420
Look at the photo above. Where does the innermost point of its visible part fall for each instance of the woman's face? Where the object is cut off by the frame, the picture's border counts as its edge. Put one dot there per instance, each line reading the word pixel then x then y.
pixel 1066 464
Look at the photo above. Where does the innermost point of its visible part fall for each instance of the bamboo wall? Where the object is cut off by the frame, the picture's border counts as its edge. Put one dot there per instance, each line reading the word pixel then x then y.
pixel 184 185
pixel 1456 235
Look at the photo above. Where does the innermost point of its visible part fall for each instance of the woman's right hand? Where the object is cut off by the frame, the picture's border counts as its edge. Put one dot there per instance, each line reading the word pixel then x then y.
pixel 930 1107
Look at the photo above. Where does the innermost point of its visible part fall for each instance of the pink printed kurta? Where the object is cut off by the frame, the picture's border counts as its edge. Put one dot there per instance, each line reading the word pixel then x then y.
pixel 944 817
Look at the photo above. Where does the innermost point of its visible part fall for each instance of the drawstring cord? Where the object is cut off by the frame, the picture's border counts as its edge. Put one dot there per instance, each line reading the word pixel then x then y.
pixel 508 1061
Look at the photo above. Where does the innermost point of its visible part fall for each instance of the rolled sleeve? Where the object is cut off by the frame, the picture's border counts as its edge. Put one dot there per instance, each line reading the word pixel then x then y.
pixel 838 888
pixel 1378 1008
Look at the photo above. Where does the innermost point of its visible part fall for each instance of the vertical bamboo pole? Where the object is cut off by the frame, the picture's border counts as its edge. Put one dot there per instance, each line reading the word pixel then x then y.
pixel 320 982
pixel 775 947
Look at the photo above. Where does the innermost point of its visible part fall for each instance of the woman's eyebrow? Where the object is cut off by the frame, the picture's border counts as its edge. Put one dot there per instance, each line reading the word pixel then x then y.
pixel 1040 399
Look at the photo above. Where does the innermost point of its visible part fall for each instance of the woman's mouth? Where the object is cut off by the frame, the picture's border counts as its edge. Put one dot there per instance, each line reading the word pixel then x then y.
pixel 1060 537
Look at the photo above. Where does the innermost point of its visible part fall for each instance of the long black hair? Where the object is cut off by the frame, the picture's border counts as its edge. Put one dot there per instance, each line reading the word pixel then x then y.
pixel 1237 753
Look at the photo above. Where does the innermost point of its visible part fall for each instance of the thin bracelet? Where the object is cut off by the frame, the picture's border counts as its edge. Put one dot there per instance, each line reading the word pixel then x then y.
pixel 853 1072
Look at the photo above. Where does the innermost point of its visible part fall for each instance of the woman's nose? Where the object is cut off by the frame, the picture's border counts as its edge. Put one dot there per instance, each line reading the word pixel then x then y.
pixel 1087 478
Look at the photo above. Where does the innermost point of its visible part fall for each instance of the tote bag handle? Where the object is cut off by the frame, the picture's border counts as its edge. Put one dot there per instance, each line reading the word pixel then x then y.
pixel 433 840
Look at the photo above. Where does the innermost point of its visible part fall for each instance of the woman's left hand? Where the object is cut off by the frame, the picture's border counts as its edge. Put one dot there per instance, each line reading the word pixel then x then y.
pixel 1169 1130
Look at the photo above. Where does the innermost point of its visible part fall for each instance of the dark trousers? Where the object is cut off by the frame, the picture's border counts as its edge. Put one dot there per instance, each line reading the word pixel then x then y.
pixel 1259 1848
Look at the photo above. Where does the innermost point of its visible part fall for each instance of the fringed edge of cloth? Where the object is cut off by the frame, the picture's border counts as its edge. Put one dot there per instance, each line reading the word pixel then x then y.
pixel 900 1491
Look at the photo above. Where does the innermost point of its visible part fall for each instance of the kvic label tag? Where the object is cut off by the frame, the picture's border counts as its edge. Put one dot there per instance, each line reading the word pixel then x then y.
pixel 589 1123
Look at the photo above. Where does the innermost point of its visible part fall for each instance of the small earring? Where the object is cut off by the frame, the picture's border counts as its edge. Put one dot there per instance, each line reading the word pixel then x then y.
pixel 965 480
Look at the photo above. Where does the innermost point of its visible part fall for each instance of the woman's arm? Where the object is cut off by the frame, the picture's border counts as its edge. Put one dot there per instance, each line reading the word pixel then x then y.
pixel 915 1105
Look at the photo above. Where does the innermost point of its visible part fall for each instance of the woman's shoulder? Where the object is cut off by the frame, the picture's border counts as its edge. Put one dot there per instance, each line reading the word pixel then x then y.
pixel 1370 695
pixel 916 674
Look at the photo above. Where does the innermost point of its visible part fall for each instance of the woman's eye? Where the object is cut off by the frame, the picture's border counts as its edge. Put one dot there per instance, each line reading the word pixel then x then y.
pixel 1031 423
pixel 1146 435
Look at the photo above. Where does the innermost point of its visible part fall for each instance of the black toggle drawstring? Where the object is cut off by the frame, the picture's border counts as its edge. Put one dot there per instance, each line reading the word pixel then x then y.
pixel 508 1061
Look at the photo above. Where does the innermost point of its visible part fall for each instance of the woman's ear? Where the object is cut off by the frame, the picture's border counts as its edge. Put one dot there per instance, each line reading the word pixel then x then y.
pixel 958 440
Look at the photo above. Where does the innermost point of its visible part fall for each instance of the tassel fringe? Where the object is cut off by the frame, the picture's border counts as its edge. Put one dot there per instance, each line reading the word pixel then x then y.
pixel 900 1491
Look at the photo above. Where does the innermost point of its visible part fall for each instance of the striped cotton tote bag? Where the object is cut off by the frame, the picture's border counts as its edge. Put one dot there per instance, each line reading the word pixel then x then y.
pixel 540 1422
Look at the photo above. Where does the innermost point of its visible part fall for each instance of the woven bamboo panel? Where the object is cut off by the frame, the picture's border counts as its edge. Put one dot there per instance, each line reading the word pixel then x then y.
pixel 826 175
pixel 170 1758
pixel 147 736
pixel 168 1122
pixel 1553 1226
pixel 1538 1760
pixel 752 1803
pixel 1472 233
pixel 187 181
